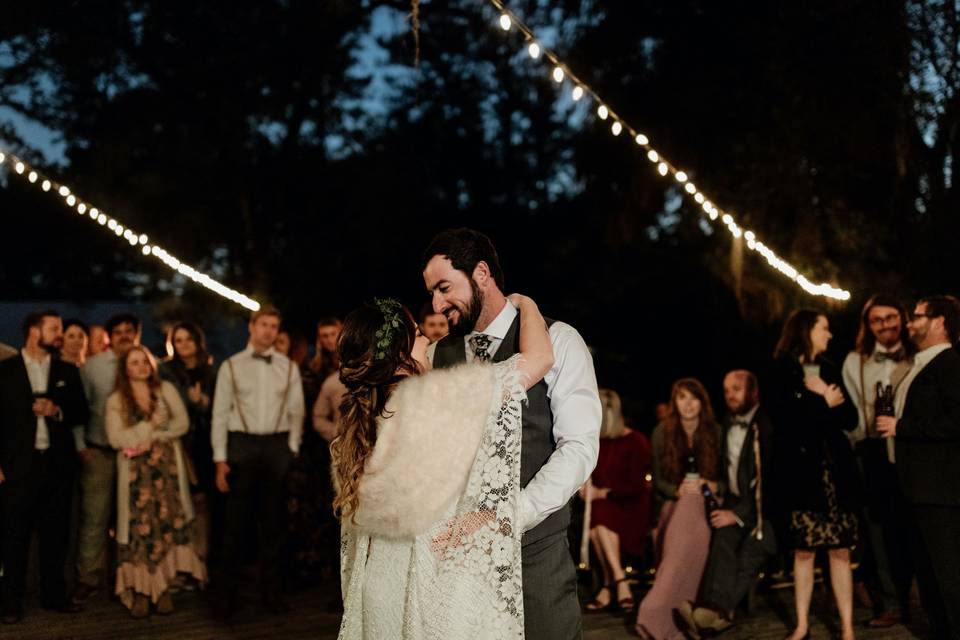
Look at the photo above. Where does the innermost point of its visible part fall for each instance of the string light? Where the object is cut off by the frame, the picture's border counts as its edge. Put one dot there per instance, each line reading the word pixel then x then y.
pixel 534 50
pixel 561 71
pixel 130 236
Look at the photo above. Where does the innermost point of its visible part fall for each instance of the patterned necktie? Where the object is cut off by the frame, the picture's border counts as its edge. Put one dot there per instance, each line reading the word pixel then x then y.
pixel 266 357
pixel 480 344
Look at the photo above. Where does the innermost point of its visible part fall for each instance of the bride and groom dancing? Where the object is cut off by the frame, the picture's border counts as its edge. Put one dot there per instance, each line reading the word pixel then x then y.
pixel 455 468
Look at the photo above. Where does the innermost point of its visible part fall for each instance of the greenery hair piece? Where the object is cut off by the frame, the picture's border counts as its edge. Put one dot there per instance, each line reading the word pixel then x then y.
pixel 390 308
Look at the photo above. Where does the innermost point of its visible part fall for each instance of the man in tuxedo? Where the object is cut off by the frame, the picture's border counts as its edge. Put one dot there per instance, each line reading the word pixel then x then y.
pixel 41 400
pixel 743 540
pixel 928 457
pixel 561 418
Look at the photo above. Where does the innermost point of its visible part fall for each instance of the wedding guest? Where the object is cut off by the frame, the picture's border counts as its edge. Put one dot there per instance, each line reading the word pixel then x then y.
pixel 190 370
pixel 6 351
pixel 927 455
pixel 882 359
pixel 686 458
pixel 257 422
pixel 283 343
pixel 145 419
pixel 620 502
pixel 41 400
pixel 99 340
pixel 99 464
pixel 818 479
pixel 325 359
pixel 326 411
pixel 432 325
pixel 75 341
pixel 743 538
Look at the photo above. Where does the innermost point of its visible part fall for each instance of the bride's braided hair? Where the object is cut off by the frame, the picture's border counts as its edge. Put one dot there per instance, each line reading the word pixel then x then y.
pixel 369 367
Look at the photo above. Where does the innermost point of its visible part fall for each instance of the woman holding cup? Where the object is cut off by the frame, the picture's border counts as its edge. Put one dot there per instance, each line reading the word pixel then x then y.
pixel 817 477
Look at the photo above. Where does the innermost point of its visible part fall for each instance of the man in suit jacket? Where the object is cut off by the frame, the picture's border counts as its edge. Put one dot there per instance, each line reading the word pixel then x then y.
pixel 743 539
pixel 928 457
pixel 41 400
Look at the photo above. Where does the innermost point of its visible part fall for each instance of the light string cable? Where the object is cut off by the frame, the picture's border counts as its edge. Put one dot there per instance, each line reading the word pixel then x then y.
pixel 561 72
pixel 21 168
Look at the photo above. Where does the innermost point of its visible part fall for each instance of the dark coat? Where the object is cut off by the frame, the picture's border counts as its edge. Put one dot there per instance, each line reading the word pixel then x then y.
pixel 807 434
pixel 928 434
pixel 18 424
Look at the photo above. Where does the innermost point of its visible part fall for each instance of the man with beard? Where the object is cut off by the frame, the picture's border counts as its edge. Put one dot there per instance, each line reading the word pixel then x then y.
pixel 927 454
pixel 872 373
pixel 561 418
pixel 743 539
pixel 99 460
pixel 41 400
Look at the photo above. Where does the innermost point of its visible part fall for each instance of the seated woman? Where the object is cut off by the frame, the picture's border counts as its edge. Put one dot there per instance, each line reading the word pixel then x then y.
pixel 620 501
pixel 144 421
pixel 428 468
pixel 686 456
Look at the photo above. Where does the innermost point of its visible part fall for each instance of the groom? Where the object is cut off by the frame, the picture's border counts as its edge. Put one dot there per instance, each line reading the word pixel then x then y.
pixel 561 420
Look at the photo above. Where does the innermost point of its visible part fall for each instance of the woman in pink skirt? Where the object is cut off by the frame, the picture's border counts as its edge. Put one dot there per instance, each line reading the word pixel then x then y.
pixel 685 457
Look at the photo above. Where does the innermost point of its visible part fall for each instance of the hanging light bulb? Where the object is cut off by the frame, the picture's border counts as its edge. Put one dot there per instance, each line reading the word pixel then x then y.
pixel 557 74
pixel 534 50
pixel 662 168
pixel 616 128
pixel 505 22
pixel 603 112
pixel 45 185
pixel 642 139
pixel 32 177
pixel 653 156
pixel 681 176
pixel 577 93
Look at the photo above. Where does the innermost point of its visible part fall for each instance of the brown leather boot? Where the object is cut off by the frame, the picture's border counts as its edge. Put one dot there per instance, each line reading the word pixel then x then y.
pixel 141 606
pixel 165 603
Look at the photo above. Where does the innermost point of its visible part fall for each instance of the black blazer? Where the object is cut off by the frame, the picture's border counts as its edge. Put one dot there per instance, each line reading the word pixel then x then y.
pixel 808 433
pixel 746 506
pixel 928 434
pixel 18 424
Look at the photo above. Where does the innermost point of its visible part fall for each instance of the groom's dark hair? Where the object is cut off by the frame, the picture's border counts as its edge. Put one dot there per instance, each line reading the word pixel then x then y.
pixel 465 248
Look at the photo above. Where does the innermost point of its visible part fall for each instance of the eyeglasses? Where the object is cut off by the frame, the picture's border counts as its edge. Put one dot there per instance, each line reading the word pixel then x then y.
pixel 887 319
pixel 914 316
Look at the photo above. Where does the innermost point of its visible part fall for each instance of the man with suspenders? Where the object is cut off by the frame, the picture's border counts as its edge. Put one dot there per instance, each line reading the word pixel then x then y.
pixel 258 411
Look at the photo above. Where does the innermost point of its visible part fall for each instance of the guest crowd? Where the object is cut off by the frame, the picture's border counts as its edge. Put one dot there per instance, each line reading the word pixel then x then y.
pixel 810 459
pixel 179 468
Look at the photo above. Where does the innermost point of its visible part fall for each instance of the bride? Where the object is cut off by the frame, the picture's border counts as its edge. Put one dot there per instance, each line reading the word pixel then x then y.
pixel 428 469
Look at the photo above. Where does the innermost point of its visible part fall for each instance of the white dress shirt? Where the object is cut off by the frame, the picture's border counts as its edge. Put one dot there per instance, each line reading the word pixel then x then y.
pixel 576 408
pixel 864 398
pixel 260 392
pixel 736 434
pixel 39 373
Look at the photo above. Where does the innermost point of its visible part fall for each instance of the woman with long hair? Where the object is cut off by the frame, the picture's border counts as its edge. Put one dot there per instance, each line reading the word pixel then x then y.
pixel 190 369
pixel 619 497
pixel 428 469
pixel 76 337
pixel 816 476
pixel 144 421
pixel 686 460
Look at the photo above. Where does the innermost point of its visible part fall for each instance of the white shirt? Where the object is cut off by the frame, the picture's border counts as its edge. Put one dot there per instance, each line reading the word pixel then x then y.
pixel 575 404
pixel 260 388
pixel 99 375
pixel 864 399
pixel 736 434
pixel 39 373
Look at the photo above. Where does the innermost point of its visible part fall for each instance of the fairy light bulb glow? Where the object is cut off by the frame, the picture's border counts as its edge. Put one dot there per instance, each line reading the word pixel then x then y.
pixel 603 112
pixel 505 22
pixel 690 188
pixel 534 50
pixel 557 75
pixel 577 93
pixel 32 177
pixel 616 128
pixel 662 168
pixel 45 185
pixel 71 200
pixel 681 176
pixel 642 140
pixel 19 167
pixel 653 156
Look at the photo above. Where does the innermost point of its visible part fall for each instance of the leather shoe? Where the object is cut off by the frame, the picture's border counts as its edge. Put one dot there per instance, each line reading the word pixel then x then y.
pixel 885 620
pixel 67 606
pixel 273 603
pixel 683 618
pixel 710 622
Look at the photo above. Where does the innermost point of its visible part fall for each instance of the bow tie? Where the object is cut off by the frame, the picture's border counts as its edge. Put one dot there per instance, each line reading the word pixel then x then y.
pixel 266 357
pixel 895 356
pixel 740 422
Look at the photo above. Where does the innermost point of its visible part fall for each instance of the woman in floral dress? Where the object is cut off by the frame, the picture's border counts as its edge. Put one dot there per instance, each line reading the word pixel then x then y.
pixel 144 420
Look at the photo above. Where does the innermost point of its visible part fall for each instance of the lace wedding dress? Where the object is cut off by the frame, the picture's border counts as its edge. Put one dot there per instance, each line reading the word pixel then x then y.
pixel 435 550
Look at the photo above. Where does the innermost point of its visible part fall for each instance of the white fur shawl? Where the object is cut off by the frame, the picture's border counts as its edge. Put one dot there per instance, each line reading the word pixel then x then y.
pixel 425 450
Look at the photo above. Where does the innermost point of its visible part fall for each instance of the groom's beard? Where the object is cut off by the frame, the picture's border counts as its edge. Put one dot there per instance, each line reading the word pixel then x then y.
pixel 468 317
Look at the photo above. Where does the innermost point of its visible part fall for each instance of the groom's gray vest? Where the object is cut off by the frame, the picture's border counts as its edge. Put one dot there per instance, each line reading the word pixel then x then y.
pixel 537 444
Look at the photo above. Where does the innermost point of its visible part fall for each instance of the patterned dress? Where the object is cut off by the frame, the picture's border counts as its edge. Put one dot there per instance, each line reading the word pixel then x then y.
pixel 160 536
